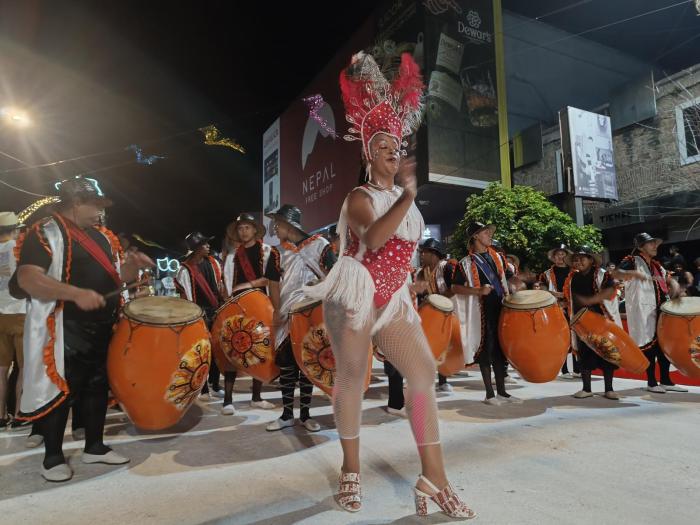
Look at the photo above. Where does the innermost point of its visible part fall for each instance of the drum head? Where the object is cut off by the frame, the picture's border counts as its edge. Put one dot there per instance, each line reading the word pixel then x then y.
pixel 306 304
pixel 161 310
pixel 684 306
pixel 440 302
pixel 529 300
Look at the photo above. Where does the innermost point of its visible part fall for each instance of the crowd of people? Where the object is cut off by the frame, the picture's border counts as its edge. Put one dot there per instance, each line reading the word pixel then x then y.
pixel 62 285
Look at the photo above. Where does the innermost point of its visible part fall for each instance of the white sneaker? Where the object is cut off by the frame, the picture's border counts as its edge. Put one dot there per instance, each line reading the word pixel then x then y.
pixel 567 376
pixel 509 380
pixel 265 405
pixel 58 473
pixel 228 410
pixel 110 458
pixel 279 424
pixel 205 396
pixel 494 401
pixel 445 387
pixel 396 412
pixel 34 441
pixel 674 388
pixel 311 425
pixel 658 389
pixel 612 395
pixel 217 393
pixel 576 375
pixel 512 399
pixel 582 394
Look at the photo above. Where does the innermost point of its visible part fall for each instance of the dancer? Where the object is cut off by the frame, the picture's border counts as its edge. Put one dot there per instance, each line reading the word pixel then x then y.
pixel 366 295
pixel 303 258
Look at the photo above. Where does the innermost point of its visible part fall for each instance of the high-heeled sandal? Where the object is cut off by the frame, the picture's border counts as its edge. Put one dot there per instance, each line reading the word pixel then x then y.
pixel 447 499
pixel 349 495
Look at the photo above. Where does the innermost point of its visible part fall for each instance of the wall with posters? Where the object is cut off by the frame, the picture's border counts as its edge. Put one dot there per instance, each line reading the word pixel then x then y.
pixel 271 173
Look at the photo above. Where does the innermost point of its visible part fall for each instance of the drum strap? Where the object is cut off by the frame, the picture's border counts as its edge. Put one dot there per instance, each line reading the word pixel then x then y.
pixel 245 263
pixel 490 272
pixel 94 250
pixel 203 284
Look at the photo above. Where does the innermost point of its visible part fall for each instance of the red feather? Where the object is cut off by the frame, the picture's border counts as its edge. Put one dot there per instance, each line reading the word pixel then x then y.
pixel 351 90
pixel 408 85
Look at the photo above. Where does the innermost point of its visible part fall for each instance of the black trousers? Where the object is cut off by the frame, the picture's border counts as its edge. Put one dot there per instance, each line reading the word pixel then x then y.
pixel 396 399
pixel 655 354
pixel 85 359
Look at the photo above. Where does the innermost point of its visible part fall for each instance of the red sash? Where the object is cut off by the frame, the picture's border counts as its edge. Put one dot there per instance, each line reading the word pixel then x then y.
pixel 94 250
pixel 203 284
pixel 245 263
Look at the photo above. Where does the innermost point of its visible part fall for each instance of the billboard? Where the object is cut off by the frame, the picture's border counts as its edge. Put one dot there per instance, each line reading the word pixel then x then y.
pixel 271 173
pixel 591 150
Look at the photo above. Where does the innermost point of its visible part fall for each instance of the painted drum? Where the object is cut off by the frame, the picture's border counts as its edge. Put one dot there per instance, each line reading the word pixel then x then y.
pixel 437 320
pixel 242 334
pixel 534 334
pixel 312 346
pixel 679 334
pixel 158 360
pixel 609 341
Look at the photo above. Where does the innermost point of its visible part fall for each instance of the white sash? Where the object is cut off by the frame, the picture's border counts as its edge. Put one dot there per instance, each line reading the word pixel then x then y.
pixel 640 305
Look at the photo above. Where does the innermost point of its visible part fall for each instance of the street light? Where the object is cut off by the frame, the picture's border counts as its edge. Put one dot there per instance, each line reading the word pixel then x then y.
pixel 15 117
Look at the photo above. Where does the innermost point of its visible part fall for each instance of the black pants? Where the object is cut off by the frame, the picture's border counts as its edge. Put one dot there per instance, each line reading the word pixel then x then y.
pixel 85 357
pixel 291 376
pixel 396 399
pixel 574 359
pixel 655 354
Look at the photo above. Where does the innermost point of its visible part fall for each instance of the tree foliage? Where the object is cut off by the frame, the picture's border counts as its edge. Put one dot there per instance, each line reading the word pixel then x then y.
pixel 528 225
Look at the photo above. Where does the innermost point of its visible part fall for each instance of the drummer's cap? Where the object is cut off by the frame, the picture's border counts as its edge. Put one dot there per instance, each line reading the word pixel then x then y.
pixel 247 218
pixel 290 214
pixel 475 227
pixel 560 247
pixel 434 246
pixel 9 222
pixel 81 189
pixel 584 250
pixel 642 238
pixel 196 239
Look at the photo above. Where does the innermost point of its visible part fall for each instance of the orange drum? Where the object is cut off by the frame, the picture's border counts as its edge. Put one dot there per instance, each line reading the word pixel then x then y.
pixel 158 360
pixel 311 345
pixel 679 334
pixel 534 334
pixel 609 341
pixel 437 319
pixel 242 332
pixel 453 359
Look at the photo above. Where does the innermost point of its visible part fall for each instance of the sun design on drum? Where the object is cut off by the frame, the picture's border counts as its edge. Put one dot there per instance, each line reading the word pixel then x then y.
pixel 245 341
pixel 317 355
pixel 190 376
pixel 695 351
pixel 605 348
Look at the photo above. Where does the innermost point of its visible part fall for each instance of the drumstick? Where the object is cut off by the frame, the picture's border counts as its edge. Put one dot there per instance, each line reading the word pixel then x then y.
pixel 124 288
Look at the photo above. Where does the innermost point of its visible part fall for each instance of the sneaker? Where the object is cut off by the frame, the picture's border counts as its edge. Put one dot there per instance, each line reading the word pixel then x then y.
pixel 582 394
pixel 396 412
pixel 19 425
pixel 228 410
pixel 509 380
pixel 311 425
pixel 205 396
pixel 78 434
pixel 576 375
pixel 658 389
pixel 511 399
pixel 217 393
pixel 279 424
pixel 674 388
pixel 58 473
pixel 34 441
pixel 493 401
pixel 612 395
pixel 445 387
pixel 265 405
pixel 110 458
pixel 567 376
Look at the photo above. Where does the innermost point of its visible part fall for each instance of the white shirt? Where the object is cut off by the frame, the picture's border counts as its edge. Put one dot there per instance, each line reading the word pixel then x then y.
pixel 8 304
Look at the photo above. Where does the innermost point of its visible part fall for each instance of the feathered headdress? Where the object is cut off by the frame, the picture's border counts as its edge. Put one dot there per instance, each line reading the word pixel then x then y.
pixel 375 105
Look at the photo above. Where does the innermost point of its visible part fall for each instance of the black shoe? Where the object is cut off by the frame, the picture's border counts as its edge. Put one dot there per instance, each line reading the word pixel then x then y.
pixel 19 425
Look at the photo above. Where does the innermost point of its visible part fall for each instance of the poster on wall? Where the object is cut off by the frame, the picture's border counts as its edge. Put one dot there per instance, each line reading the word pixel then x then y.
pixel 590 136
pixel 271 174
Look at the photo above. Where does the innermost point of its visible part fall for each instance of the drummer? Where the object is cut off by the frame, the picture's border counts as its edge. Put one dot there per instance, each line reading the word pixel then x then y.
pixel 256 266
pixel 587 287
pixel 199 280
pixel 481 280
pixel 68 264
pixel 435 277
pixel 648 286
pixel 304 258
pixel 553 279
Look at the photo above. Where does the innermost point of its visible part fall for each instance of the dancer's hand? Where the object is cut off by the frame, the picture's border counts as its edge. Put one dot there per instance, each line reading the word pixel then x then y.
pixel 406 177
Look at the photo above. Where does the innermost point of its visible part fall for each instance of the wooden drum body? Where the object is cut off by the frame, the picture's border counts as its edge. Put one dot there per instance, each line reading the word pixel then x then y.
pixel 441 328
pixel 679 334
pixel 242 335
pixel 312 347
pixel 534 334
pixel 158 360
pixel 609 341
